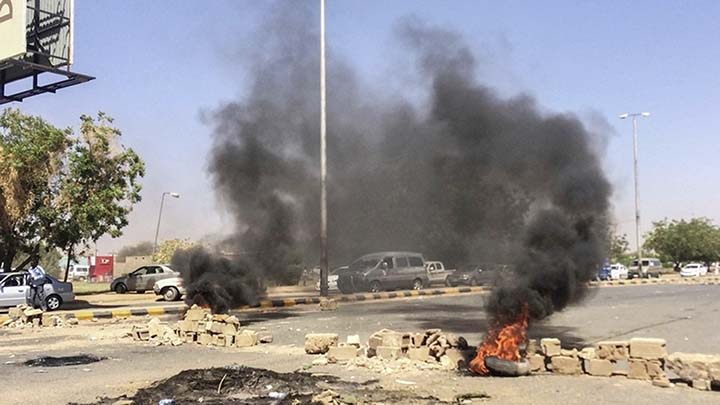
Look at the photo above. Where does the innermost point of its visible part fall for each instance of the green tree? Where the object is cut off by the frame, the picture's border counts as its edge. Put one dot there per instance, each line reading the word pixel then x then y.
pixel 680 241
pixel 60 190
pixel 620 249
pixel 166 250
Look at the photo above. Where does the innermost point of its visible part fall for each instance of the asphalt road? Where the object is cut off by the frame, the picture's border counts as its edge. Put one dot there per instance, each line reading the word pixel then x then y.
pixel 686 316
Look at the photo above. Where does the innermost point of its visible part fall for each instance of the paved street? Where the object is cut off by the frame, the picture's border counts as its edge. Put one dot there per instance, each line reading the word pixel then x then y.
pixel 686 316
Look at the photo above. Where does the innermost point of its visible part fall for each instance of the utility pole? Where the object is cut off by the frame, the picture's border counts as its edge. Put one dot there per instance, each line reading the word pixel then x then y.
pixel 157 229
pixel 637 185
pixel 323 162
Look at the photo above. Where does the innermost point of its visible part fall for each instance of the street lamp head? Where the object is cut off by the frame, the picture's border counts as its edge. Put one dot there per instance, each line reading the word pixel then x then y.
pixel 645 114
pixel 623 116
pixel 175 195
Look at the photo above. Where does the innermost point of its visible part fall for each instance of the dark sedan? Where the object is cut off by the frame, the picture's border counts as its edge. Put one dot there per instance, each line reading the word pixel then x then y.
pixel 475 275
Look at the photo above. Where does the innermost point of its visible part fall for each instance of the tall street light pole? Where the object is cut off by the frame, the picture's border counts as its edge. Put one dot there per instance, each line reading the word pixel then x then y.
pixel 323 162
pixel 157 229
pixel 637 186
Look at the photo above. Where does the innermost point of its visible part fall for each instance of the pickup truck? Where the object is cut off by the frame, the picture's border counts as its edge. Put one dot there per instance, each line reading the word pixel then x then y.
pixel 437 273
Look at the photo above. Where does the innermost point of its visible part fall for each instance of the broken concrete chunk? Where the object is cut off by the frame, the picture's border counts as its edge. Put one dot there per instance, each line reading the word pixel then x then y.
pixel 701 384
pixel 388 353
pixel 532 347
pixel 613 350
pixel 648 349
pixel 328 304
pixel 319 343
pixel 598 367
pixel 232 319
pixel 342 353
pixel 353 340
pixel 458 359
pixel 537 362
pixel 205 339
pixel 418 353
pixel 569 353
pixel 265 338
pixel 694 366
pixel 587 353
pixel 565 365
pixel 550 346
pixel 637 370
pixel 655 368
pixel 195 313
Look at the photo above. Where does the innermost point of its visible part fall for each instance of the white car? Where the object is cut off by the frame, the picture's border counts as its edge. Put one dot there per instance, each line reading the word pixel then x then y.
pixel 332 279
pixel 693 270
pixel 171 289
pixel 618 271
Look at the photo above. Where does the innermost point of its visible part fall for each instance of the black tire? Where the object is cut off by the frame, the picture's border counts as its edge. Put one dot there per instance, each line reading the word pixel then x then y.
pixel 448 282
pixel 53 302
pixel 170 294
pixel 120 288
pixel 140 291
pixel 417 284
pixel 375 287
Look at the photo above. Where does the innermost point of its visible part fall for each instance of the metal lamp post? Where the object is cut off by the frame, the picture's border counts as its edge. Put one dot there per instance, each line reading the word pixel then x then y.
pixel 162 201
pixel 637 187
pixel 323 162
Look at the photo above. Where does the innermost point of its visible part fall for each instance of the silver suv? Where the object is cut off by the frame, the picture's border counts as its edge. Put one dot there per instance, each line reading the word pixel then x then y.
pixel 384 271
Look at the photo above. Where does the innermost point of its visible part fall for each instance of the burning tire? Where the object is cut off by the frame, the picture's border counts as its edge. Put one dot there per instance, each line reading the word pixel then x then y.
pixel 507 368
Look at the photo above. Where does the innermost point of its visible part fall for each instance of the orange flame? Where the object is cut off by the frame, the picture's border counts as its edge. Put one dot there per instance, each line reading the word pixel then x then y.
pixel 503 341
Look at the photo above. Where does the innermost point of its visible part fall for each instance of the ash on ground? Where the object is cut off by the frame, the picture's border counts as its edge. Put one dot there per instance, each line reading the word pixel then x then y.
pixel 246 385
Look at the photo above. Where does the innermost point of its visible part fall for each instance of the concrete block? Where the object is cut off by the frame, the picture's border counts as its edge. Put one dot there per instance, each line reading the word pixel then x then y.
pixel 328 304
pixel 342 353
pixel 663 382
pixel 205 339
pixel 587 353
pixel 374 341
pixel 220 317
pixel 569 353
pixel 217 327
pixel 396 339
pixel 565 365
pixel 196 313
pixel 417 339
pixel 550 346
pixel 188 326
pixel 228 329
pixel 319 343
pixel 229 340
pixel 537 362
pixel 458 358
pixel 598 367
pixel 15 313
pixel 437 350
pixel 245 340
pixel 233 320
pixel 694 366
pixel 265 337
pixel 701 384
pixel 353 340
pixel 418 353
pixel 637 370
pixel 648 349
pixel 613 350
pixel 36 322
pixel 218 340
pixel 655 368
pixel 388 353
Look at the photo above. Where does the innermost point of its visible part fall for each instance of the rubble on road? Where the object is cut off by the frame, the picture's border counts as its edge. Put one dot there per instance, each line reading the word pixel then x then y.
pixel 638 359
pixel 201 327
pixel 701 371
pixel 25 316
pixel 389 351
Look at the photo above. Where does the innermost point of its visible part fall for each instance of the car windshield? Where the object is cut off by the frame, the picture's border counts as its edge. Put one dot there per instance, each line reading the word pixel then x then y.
pixel 365 263
pixel 692 266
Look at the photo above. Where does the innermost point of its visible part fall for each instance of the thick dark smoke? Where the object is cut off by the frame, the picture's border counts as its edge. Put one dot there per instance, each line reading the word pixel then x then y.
pixel 462 176
pixel 216 281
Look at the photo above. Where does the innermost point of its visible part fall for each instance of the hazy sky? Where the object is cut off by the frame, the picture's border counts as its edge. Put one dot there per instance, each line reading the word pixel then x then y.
pixel 160 64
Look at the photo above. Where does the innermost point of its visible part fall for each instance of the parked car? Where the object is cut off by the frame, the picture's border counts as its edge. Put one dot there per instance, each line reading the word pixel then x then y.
pixel 693 270
pixel 142 279
pixel 650 268
pixel 384 271
pixel 437 273
pixel 171 289
pixel 603 273
pixel 618 271
pixel 15 289
pixel 476 274
pixel 332 278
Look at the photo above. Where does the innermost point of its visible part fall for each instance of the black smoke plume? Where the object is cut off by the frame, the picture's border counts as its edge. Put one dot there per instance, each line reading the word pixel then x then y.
pixel 215 281
pixel 450 169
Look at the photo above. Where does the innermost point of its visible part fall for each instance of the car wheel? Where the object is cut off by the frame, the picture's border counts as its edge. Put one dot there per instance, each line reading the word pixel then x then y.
pixel 53 302
pixel 417 284
pixel 171 294
pixel 375 287
pixel 121 288
pixel 448 283
pixel 140 291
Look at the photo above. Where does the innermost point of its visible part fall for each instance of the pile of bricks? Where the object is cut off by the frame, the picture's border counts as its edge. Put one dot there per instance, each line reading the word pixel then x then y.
pixel 25 316
pixel 700 371
pixel 638 358
pixel 201 327
pixel 432 346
